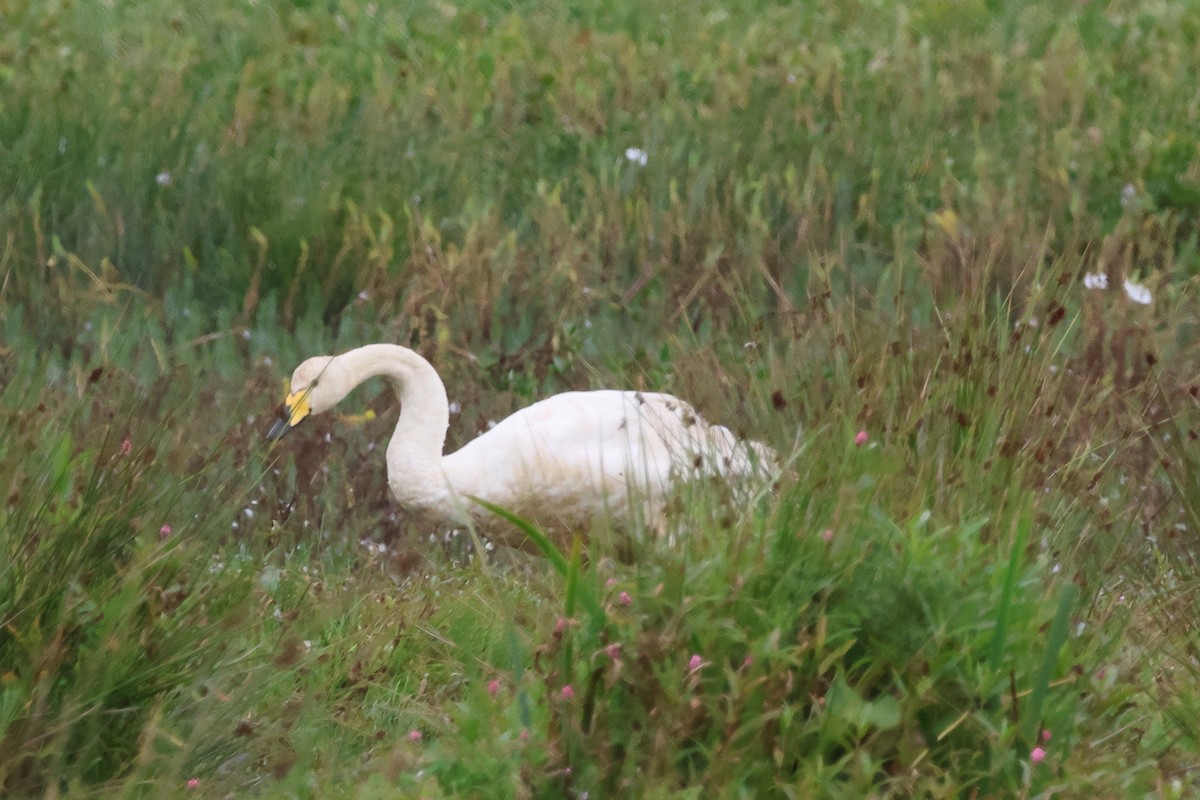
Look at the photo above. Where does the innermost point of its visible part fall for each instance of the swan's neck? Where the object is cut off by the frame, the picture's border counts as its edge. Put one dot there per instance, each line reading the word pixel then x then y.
pixel 415 451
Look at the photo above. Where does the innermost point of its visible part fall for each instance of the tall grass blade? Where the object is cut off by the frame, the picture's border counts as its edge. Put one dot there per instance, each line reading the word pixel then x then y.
pixel 1009 588
pixel 1059 629
pixel 581 592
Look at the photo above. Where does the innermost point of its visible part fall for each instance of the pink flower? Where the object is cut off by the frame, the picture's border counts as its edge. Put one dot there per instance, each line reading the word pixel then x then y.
pixel 1037 756
pixel 567 692
pixel 695 662
pixel 493 687
pixel 827 534
pixel 126 447
pixel 613 650
pixel 1045 736
pixel 861 438
pixel 560 625
pixel 625 599
pixel 193 783
pixel 164 531
pixel 414 735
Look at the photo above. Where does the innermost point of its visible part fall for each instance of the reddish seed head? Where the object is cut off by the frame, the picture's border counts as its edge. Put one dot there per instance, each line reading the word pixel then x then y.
pixel 164 531
pixel 625 599
pixel 611 582
pixel 524 735
pixel 695 662
pixel 613 650
pixel 1045 736
pixel 567 692
pixel 861 438
pixel 827 534
pixel 1037 756
pixel 193 783
pixel 126 447
pixel 493 687
pixel 560 625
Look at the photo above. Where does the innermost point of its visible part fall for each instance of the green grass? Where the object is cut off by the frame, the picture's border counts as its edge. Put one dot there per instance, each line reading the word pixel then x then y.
pixel 859 217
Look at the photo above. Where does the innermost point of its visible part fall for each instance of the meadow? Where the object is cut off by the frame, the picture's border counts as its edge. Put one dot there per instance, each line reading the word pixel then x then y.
pixel 942 256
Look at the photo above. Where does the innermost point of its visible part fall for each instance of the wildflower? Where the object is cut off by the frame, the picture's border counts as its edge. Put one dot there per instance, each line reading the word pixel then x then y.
pixel 611 582
pixel 695 662
pixel 567 692
pixel 493 687
pixel 1137 293
pixel 126 447
pixel 560 625
pixel 613 650
pixel 1128 195
pixel 164 532
pixel 163 179
pixel 625 599
pixel 827 534
pixel 637 156
pixel 861 438
pixel 1037 756
pixel 1095 280
pixel 193 783
pixel 524 734
pixel 414 735
pixel 1045 736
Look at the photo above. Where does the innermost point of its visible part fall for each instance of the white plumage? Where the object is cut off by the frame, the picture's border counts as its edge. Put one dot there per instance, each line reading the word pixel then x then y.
pixel 559 463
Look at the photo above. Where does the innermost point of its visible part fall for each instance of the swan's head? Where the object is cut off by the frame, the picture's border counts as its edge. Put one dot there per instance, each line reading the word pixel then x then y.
pixel 317 385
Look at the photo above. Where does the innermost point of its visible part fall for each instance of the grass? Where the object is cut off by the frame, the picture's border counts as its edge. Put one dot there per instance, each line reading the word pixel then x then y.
pixel 862 217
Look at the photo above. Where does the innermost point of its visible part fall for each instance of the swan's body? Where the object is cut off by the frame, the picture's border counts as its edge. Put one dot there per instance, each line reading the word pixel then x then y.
pixel 560 463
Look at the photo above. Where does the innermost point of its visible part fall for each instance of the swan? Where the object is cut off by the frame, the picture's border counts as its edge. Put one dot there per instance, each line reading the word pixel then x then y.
pixel 560 463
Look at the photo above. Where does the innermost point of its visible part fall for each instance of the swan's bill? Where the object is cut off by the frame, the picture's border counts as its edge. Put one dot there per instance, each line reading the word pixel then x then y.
pixel 298 408
pixel 278 430
pixel 297 405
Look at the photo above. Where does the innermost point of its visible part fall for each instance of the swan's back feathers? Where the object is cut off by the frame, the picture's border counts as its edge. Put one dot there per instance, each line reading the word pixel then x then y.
pixel 568 458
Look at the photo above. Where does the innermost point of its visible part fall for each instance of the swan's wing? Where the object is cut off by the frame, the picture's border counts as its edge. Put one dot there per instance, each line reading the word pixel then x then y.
pixel 578 450
pixel 700 449
pixel 575 442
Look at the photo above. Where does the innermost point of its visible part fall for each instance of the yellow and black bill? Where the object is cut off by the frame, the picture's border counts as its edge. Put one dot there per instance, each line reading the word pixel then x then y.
pixel 296 408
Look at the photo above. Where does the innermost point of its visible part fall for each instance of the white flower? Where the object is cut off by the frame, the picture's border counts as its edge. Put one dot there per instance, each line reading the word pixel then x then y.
pixel 637 156
pixel 1095 280
pixel 163 178
pixel 1137 293
pixel 1128 194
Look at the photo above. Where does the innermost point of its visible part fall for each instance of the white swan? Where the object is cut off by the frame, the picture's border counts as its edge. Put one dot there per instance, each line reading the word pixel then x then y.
pixel 560 462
